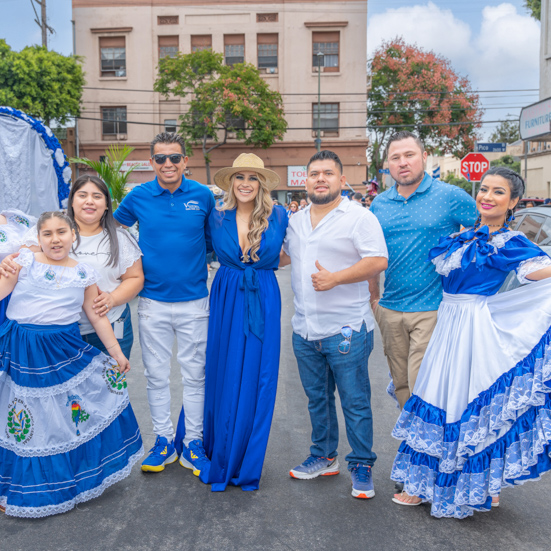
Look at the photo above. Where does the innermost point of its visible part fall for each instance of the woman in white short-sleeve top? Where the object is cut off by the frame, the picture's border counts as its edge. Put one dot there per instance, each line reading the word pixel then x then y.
pixel 112 252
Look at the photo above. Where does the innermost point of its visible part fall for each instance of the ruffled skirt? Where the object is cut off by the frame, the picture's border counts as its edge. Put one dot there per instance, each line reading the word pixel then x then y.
pixel 479 418
pixel 67 430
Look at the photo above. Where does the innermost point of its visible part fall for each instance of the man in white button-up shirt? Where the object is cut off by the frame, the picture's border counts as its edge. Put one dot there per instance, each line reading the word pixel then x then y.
pixel 334 247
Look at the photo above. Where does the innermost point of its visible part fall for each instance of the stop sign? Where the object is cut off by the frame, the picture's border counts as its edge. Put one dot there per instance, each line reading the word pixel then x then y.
pixel 473 166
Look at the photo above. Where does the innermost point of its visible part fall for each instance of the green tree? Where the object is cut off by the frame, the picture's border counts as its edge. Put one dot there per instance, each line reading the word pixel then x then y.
pixel 507 161
pixel 221 99
pixel 507 132
pixel 418 91
pixel 459 181
pixel 109 170
pixel 534 7
pixel 43 84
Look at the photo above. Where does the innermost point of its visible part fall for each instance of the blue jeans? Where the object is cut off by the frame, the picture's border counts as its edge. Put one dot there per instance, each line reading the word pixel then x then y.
pixel 127 339
pixel 322 368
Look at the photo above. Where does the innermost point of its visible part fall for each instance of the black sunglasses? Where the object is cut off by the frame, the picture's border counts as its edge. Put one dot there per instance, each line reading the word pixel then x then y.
pixel 174 159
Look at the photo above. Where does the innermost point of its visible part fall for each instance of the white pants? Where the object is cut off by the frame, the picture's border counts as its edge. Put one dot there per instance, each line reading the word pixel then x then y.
pixel 159 322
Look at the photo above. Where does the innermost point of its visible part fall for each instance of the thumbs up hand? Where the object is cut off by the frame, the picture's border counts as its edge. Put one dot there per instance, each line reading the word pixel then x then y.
pixel 323 280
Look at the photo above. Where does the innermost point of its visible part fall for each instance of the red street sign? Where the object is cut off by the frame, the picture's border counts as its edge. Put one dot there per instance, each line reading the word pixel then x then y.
pixel 473 166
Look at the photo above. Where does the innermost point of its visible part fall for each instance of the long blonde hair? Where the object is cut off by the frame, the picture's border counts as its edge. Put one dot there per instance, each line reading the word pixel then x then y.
pixel 258 222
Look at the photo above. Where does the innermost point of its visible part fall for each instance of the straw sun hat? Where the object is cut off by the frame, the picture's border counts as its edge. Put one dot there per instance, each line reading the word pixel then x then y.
pixel 246 161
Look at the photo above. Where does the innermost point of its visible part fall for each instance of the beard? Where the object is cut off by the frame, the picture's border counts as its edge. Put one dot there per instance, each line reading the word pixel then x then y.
pixel 411 180
pixel 323 198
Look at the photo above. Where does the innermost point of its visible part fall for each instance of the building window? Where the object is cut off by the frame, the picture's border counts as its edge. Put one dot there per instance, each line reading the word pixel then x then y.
pixel 267 51
pixel 234 122
pixel 234 48
pixel 328 118
pixel 114 120
pixel 168 46
pixel 113 56
pixel 201 42
pixel 171 125
pixel 328 45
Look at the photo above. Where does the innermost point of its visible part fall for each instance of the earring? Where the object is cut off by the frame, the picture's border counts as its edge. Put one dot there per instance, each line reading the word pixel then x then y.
pixel 509 217
pixel 477 222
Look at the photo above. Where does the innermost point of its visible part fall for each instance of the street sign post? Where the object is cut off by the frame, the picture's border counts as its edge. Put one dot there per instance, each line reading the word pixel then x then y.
pixel 474 165
pixel 384 171
pixel 491 147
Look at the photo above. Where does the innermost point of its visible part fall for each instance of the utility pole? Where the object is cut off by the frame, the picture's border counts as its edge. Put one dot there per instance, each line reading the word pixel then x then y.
pixel 42 21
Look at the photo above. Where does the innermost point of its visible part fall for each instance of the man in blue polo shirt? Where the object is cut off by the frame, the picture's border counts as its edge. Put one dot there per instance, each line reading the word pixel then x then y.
pixel 172 213
pixel 414 213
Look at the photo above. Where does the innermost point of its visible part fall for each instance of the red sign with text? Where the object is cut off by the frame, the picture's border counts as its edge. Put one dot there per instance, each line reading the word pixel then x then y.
pixel 473 166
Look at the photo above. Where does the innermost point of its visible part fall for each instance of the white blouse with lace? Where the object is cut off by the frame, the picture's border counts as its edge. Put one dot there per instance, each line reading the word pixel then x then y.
pixel 445 265
pixel 46 294
pixel 11 233
pixel 94 250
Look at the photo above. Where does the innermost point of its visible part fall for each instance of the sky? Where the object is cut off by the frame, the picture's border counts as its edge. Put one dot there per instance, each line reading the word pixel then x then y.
pixel 493 43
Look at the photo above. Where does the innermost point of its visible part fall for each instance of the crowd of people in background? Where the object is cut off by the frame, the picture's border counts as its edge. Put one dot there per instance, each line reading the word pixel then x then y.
pixel 469 366
pixel 362 199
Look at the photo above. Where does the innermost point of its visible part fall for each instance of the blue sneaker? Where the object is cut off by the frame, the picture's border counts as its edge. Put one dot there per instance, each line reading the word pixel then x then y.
pixel 314 467
pixel 362 481
pixel 193 457
pixel 162 453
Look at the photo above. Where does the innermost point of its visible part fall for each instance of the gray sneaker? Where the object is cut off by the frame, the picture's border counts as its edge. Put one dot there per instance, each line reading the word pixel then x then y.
pixel 314 467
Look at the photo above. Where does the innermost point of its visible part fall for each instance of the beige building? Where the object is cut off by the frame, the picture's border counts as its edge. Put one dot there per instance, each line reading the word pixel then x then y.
pixel 122 41
pixel 535 121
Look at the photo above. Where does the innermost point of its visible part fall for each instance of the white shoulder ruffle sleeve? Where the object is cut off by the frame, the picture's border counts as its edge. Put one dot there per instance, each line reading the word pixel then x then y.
pixel 129 251
pixel 25 258
pixel 526 267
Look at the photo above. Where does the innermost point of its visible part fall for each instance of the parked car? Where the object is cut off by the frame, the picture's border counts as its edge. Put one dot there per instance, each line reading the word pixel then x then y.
pixel 536 201
pixel 535 223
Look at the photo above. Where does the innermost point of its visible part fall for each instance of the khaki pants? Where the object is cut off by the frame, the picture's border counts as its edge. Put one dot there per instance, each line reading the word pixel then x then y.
pixel 405 339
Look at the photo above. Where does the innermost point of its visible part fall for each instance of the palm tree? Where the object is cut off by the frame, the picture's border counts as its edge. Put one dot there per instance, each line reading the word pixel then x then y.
pixel 109 170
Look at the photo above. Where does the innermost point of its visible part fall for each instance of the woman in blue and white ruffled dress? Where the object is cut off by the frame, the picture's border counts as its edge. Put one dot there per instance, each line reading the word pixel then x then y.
pixel 479 418
pixel 67 430
pixel 13 225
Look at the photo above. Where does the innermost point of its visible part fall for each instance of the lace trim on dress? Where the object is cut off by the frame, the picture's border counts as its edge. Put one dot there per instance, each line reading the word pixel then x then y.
pixel 18 218
pixel 423 427
pixel 446 265
pixel 25 258
pixel 47 510
pixel 520 455
pixel 67 446
pixel 526 267
pixel 42 392
pixel 129 251
pixel 30 237
pixel 46 275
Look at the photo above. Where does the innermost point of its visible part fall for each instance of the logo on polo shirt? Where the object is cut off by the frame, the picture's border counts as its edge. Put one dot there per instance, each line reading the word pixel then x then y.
pixel 192 205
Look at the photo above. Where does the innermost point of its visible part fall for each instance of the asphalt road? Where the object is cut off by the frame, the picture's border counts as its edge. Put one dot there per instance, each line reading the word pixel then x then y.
pixel 173 510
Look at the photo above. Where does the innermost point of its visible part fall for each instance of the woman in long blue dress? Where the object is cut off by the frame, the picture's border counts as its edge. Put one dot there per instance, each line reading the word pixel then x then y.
pixel 479 418
pixel 243 345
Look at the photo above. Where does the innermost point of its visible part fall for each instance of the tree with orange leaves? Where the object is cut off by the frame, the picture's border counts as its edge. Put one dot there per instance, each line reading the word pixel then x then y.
pixel 419 91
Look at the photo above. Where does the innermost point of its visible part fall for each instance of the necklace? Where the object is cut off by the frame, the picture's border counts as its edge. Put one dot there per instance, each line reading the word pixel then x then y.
pixel 50 274
pixel 242 219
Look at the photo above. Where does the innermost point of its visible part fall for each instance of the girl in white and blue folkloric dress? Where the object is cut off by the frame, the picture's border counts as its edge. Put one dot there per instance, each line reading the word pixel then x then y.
pixel 67 430
pixel 479 418
pixel 13 225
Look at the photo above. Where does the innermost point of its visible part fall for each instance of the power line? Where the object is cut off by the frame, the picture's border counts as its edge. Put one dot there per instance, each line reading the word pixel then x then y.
pixel 370 127
pixel 328 93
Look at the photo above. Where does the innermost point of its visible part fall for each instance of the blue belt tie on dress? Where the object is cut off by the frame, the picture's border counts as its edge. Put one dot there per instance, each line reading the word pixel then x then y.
pixel 253 319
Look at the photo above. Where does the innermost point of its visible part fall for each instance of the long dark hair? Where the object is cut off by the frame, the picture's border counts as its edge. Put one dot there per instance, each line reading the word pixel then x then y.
pixel 107 221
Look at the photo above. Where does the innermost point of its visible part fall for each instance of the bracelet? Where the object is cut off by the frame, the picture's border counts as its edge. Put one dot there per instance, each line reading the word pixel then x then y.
pixel 108 347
